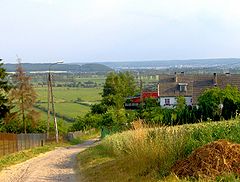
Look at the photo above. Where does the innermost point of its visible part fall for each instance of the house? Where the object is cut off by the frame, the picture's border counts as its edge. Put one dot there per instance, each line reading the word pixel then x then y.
pixel 135 101
pixel 191 86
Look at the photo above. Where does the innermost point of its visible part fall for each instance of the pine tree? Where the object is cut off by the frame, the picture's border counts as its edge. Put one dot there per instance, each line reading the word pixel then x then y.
pixel 24 97
pixel 4 88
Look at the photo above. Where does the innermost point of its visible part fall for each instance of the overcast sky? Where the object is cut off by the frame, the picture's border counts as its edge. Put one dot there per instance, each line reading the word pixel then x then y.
pixel 113 30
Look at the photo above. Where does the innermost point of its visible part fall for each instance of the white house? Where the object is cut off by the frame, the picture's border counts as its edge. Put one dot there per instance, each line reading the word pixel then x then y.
pixel 171 101
pixel 191 86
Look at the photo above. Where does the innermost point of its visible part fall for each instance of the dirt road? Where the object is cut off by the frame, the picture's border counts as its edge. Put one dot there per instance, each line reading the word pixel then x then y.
pixel 56 165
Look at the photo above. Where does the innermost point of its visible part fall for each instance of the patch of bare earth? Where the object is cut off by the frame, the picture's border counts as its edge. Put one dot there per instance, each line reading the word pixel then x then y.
pixel 56 165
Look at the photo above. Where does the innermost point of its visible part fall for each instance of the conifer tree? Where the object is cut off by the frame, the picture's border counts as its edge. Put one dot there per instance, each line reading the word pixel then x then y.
pixel 24 97
pixel 4 88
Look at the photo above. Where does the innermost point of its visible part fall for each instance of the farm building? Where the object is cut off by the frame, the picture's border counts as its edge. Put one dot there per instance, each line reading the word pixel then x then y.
pixel 135 101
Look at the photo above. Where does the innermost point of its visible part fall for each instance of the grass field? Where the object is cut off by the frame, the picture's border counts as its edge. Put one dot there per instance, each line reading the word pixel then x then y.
pixel 65 98
pixel 66 94
pixel 98 79
pixel 147 154
pixel 69 109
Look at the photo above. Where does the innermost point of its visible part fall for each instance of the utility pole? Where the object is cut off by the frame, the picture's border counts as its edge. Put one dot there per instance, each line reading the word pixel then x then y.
pixel 141 89
pixel 51 97
pixel 48 118
pixel 53 110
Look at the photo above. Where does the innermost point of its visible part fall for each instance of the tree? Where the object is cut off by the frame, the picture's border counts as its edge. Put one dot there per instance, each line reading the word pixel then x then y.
pixel 4 89
pixel 217 102
pixel 231 96
pixel 117 87
pixel 98 108
pixel 181 103
pixel 24 97
pixel 209 103
pixel 229 109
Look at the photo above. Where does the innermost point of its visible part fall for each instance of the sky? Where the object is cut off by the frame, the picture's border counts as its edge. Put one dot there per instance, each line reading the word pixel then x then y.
pixel 118 30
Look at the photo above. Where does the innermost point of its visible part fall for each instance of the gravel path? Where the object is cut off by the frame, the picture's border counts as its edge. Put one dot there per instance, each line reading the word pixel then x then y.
pixel 56 165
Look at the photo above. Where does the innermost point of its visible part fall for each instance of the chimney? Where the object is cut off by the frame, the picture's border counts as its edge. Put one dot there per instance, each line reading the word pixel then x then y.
pixel 176 77
pixel 227 74
pixel 215 79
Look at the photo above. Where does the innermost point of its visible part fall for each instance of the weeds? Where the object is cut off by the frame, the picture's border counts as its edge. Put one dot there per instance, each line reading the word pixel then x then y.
pixel 151 152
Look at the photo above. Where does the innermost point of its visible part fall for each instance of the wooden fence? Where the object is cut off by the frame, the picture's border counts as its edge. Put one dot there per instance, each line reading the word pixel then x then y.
pixel 10 143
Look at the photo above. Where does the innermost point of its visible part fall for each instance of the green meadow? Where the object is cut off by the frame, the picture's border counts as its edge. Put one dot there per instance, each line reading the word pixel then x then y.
pixel 70 102
pixel 67 94
pixel 69 109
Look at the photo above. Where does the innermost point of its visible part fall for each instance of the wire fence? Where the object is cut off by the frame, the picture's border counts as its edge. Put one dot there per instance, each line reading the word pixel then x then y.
pixel 10 143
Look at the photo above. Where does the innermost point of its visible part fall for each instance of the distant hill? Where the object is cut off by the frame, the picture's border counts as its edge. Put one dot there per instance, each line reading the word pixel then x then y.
pixel 30 67
pixel 163 64
pixel 95 67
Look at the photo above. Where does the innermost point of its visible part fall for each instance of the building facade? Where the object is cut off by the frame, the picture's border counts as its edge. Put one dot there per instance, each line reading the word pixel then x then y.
pixel 191 86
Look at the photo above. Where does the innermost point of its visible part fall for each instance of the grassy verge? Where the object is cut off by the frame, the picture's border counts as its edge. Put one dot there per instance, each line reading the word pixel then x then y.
pixel 147 154
pixel 88 135
pixel 24 155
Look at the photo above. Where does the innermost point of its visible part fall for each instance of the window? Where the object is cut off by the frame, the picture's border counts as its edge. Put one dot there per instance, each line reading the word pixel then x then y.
pixel 134 104
pixel 167 101
pixel 182 87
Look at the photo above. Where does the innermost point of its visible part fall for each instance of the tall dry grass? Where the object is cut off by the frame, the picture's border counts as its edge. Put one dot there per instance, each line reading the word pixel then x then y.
pixel 153 150
pixel 147 153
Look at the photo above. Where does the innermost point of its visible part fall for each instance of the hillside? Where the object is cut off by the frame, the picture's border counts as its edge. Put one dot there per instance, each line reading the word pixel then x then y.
pixel 30 67
pixel 148 154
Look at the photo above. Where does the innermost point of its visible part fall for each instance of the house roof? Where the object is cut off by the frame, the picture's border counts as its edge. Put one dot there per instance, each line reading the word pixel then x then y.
pixel 196 84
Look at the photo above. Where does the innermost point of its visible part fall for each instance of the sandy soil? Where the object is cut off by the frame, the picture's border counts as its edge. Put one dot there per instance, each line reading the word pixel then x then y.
pixel 56 165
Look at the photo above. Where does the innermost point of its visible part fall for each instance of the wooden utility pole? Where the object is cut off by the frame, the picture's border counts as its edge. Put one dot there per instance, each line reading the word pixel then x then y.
pixel 141 90
pixel 53 110
pixel 50 96
pixel 48 117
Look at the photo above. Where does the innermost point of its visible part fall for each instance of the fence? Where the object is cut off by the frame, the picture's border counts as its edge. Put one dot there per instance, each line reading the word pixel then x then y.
pixel 10 143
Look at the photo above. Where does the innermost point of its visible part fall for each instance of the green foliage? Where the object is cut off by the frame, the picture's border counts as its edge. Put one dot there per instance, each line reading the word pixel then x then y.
pixel 4 88
pixel 229 109
pixel 117 87
pixel 115 119
pixel 109 114
pixel 216 102
pixel 181 103
pixel 87 122
pixel 16 126
pixel 150 103
pixel 209 103
pixel 98 108
pixel 62 127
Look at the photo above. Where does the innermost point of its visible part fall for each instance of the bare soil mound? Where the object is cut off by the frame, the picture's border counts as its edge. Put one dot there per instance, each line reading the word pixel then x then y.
pixel 210 160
